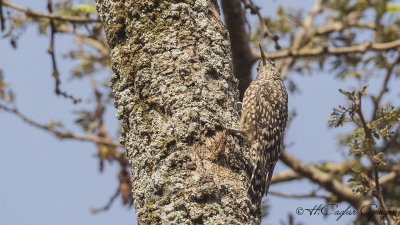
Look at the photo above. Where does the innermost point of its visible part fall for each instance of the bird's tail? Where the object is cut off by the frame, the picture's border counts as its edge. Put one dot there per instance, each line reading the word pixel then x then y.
pixel 257 183
pixel 268 182
pixel 260 181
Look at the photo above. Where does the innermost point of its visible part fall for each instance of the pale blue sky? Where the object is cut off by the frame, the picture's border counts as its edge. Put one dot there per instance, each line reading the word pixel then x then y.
pixel 45 181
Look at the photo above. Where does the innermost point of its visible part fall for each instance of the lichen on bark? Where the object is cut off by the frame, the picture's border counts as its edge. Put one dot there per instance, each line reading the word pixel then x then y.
pixel 175 94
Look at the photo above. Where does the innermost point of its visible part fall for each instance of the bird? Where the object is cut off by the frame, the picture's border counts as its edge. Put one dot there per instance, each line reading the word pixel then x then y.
pixel 263 123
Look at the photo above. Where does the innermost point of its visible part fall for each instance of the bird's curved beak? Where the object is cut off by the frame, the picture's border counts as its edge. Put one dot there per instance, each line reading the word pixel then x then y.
pixel 263 57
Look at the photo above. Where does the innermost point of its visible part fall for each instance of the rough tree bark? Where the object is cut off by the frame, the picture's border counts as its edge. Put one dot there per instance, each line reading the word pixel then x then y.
pixel 175 93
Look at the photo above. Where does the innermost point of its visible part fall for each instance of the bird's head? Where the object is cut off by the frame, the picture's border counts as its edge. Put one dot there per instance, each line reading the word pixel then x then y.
pixel 266 68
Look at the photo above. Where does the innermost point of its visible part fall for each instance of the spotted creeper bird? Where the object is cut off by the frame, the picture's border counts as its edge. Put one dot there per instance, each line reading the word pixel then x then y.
pixel 263 122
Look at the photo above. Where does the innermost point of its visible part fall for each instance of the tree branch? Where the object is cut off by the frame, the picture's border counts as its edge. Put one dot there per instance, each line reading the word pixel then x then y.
pixel 314 52
pixel 51 51
pixel 254 9
pixel 31 13
pixel 108 205
pixel 328 182
pixel 388 177
pixel 1 16
pixel 334 168
pixel 242 55
pixel 286 195
pixel 340 26
pixel 99 45
pixel 325 180
pixel 60 134
pixel 375 159
pixel 299 38
pixel 284 176
pixel 376 99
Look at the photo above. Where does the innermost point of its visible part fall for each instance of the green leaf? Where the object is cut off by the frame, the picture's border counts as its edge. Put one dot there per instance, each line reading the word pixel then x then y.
pixel 363 90
pixel 346 93
pixel 84 8
pixel 54 124
pixel 350 74
pixel 393 7
pixel 356 152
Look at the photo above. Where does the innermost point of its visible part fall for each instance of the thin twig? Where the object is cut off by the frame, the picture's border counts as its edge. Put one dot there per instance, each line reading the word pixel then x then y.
pixel 372 155
pixel 376 99
pixel 100 45
pixel 378 195
pixel 31 13
pixel 1 16
pixel 51 51
pixel 286 195
pixel 99 111
pixel 108 205
pixel 254 9
pixel 60 134
pixel 300 37
pixel 392 140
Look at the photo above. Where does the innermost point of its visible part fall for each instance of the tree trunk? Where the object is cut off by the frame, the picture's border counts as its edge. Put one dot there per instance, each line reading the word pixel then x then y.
pixel 175 93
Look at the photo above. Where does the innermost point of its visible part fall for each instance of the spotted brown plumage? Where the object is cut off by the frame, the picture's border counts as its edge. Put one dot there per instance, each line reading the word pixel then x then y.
pixel 263 121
